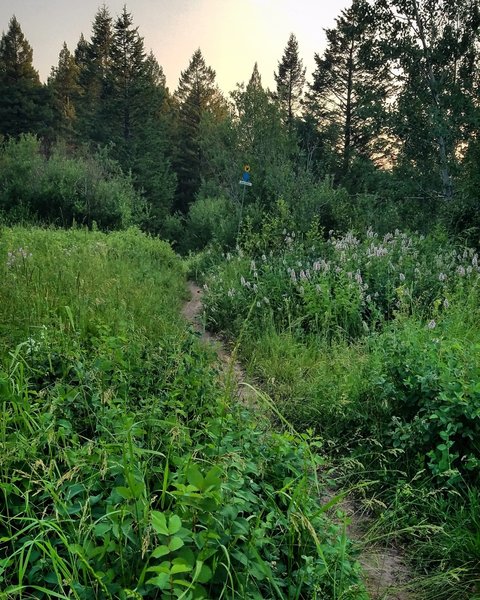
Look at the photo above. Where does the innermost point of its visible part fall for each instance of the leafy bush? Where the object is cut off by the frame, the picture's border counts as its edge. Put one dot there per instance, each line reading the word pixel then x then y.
pixel 431 384
pixel 64 189
pixel 211 220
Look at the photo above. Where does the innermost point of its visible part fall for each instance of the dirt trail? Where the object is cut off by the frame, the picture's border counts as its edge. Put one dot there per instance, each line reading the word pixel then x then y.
pixel 386 575
pixel 232 371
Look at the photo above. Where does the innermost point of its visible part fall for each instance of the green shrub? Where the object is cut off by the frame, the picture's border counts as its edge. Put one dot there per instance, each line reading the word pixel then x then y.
pixel 65 189
pixel 211 220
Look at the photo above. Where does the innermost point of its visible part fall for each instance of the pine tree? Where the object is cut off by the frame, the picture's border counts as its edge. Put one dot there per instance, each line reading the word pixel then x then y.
pixel 128 78
pixel 195 96
pixel 290 80
pixel 65 89
pixel 23 102
pixel 94 59
pixel 350 86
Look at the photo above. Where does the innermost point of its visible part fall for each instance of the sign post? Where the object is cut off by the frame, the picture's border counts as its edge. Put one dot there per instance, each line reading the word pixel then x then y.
pixel 244 182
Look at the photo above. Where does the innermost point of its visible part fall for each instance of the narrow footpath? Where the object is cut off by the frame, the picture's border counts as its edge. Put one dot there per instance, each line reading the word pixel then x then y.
pixel 386 576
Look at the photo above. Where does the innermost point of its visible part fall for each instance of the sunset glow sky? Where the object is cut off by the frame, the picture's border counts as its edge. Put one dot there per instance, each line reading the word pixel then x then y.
pixel 231 34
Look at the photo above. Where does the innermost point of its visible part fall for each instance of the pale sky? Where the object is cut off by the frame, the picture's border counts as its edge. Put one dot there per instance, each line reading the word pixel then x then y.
pixel 232 34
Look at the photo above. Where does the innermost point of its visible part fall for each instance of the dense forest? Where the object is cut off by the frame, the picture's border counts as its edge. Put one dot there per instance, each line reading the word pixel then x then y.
pixel 390 120
pixel 320 416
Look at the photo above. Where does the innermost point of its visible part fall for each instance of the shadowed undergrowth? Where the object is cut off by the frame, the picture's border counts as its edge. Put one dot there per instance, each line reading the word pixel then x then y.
pixel 125 469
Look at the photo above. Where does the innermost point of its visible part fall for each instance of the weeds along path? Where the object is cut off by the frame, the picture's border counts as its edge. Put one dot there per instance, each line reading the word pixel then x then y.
pixel 386 575
pixel 232 371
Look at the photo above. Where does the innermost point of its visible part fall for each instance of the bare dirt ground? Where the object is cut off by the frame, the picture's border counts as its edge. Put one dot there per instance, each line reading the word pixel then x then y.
pixel 386 576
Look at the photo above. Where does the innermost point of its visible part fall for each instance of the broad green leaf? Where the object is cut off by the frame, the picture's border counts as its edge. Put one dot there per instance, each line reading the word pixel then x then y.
pixel 205 574
pixel 180 569
pixel 102 528
pixel 124 492
pixel 175 543
pixel 174 524
pixel 162 580
pixel 212 478
pixel 187 555
pixel 159 522
pixel 160 551
pixel 194 477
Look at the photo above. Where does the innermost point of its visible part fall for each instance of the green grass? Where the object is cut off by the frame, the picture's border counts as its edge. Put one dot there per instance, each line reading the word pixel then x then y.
pixel 372 344
pixel 126 470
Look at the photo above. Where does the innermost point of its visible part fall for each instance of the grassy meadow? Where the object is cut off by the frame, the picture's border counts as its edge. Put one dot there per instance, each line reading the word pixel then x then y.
pixel 370 343
pixel 126 470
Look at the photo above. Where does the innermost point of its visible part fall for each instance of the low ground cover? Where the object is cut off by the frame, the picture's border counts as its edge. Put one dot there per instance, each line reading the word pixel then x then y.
pixel 125 470
pixel 372 342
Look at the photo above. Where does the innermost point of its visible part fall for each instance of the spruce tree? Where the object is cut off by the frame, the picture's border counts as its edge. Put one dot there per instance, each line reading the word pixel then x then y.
pixel 94 59
pixel 128 78
pixel 290 80
pixel 196 95
pixel 138 121
pixel 65 89
pixel 350 86
pixel 23 102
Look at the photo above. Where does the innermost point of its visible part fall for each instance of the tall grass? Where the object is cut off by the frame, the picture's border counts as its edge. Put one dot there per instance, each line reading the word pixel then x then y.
pixel 371 342
pixel 126 471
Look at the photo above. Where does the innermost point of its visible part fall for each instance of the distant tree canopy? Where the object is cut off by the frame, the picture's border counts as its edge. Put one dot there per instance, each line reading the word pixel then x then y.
pixel 390 109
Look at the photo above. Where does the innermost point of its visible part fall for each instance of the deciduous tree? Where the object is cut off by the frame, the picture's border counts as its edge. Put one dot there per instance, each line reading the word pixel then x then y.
pixel 432 47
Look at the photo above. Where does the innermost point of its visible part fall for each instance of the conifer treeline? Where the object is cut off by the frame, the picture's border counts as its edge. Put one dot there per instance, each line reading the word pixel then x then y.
pixel 392 105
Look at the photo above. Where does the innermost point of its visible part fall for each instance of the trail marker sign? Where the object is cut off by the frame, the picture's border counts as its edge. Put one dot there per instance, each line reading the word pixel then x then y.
pixel 245 180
